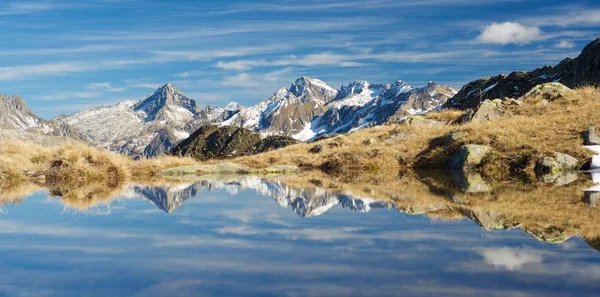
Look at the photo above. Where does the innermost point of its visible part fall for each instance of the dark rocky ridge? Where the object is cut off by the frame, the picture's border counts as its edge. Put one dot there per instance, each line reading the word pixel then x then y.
pixel 215 142
pixel 581 71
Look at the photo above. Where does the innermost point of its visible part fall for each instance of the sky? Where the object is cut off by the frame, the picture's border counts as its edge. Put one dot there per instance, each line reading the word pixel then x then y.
pixel 65 56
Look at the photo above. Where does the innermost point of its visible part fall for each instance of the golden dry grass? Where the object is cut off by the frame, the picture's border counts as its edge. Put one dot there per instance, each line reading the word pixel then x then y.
pixel 517 140
pixel 80 164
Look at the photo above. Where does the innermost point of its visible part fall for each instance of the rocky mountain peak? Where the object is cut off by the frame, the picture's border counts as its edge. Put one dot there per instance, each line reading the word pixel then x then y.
pixel 166 96
pixel 400 87
pixel 308 89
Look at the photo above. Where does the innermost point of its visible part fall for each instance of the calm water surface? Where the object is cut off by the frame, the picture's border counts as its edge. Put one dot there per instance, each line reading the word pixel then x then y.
pixel 230 240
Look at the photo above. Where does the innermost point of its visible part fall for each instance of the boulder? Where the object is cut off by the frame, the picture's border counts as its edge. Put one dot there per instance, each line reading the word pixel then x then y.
pixel 468 156
pixel 470 182
pixel 489 110
pixel 548 91
pixel 559 162
pixel 316 149
pixel 591 137
pixel 561 178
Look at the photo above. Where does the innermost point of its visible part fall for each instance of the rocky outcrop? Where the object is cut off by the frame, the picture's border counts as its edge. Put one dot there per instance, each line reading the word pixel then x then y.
pixel 219 142
pixel 583 70
pixel 214 142
pixel 468 156
pixel 548 91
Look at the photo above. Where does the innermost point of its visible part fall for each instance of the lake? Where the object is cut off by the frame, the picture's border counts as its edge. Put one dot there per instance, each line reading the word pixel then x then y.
pixel 256 237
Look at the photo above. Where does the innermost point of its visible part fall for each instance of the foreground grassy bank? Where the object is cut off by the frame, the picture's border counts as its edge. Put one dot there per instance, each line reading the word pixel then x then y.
pixel 528 130
pixel 74 163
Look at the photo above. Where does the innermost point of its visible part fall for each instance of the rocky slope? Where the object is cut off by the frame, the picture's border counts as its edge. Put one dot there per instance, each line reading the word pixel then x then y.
pixel 18 122
pixel 362 105
pixel 145 128
pixel 583 70
pixel 218 142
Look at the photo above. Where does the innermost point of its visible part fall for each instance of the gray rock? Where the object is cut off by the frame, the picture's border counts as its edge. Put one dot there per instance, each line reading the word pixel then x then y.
pixel 590 137
pixel 468 156
pixel 489 110
pixel 558 163
pixel 316 149
pixel 470 182
pixel 560 178
pixel 591 198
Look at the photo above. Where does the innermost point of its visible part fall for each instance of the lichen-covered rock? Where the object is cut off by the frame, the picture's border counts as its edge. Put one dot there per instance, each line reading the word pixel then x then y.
pixel 560 178
pixel 591 137
pixel 489 110
pixel 548 91
pixel 468 156
pixel 470 182
pixel 559 162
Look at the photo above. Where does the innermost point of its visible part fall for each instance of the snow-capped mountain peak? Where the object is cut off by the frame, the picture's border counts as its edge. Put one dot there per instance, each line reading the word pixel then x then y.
pixel 232 107
pixel 306 89
pixel 167 96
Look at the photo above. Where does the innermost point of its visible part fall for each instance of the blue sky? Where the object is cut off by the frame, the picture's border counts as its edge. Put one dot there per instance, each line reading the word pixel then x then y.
pixel 65 56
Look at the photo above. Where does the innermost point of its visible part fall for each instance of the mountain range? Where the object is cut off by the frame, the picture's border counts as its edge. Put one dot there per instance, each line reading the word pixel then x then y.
pixel 308 109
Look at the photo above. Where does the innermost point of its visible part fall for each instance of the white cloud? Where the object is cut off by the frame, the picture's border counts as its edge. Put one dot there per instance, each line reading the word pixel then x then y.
pixel 510 258
pixel 71 95
pixel 105 85
pixel 565 44
pixel 25 8
pixel 272 80
pixel 18 72
pixel 243 80
pixel 507 33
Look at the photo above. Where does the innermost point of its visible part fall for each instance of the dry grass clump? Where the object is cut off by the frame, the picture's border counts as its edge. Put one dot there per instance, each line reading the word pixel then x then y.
pixel 75 164
pixel 446 115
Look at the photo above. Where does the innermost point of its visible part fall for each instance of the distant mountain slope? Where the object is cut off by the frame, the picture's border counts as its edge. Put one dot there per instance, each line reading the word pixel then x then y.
pixel 148 127
pixel 18 122
pixel 310 108
pixel 366 105
pixel 583 70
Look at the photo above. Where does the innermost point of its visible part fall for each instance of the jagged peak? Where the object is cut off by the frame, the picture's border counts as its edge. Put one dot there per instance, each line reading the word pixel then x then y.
pixel 166 96
pixel 232 106
pixel 299 86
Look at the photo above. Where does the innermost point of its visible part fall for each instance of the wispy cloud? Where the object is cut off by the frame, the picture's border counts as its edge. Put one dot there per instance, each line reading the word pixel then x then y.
pixel 19 72
pixel 105 86
pixel 16 8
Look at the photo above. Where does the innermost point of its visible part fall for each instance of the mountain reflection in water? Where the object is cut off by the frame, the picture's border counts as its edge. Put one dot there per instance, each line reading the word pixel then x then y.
pixel 219 236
